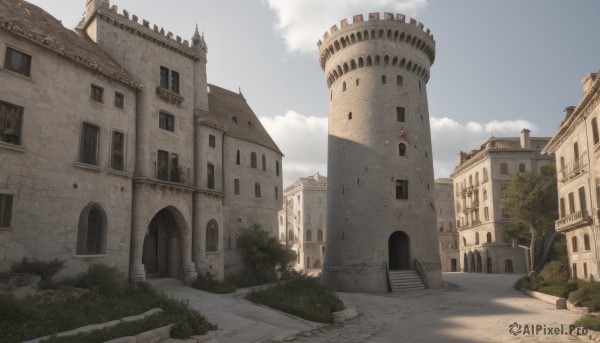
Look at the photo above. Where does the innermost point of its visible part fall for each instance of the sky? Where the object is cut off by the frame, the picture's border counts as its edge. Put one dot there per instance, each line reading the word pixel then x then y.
pixel 500 67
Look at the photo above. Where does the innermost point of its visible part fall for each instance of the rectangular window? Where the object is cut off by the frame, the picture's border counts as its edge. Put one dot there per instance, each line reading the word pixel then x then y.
pixel 276 193
pixel 118 151
pixel 210 176
pixel 582 204
pixel 253 159
pixel 400 114
pixel 504 168
pixel 164 77
pixel 119 100
pixel 11 118
pixel 6 201
pixel 18 62
pixel 175 82
pixel 486 213
pixel 236 186
pixel 521 167
pixel 162 165
pixel 562 207
pixel 212 141
pixel 166 121
pixel 174 170
pixel 571 203
pixel 595 134
pixel 401 189
pixel 97 93
pixel 89 144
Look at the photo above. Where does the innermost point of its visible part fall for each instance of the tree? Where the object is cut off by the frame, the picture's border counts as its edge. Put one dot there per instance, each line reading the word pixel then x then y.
pixel 531 203
pixel 262 254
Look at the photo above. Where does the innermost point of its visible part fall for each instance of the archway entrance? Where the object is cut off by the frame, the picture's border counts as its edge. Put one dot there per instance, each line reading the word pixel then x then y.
pixel 399 251
pixel 465 263
pixel 161 254
pixel 489 264
pixel 479 262
pixel 471 262
pixel 453 265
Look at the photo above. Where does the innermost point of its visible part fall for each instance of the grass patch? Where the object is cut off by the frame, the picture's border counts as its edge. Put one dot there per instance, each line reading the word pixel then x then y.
pixel 45 269
pixel 302 296
pixel 207 283
pixel 108 298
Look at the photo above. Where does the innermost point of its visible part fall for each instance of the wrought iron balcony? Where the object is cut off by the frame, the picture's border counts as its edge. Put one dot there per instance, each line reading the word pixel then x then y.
pixel 573 220
pixel 173 174
pixel 574 169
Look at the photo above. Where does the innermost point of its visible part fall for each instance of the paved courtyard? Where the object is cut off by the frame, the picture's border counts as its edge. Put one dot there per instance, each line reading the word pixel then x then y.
pixel 478 308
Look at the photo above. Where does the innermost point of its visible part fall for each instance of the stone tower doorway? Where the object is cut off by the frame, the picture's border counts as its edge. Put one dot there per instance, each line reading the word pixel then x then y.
pixel 161 254
pixel 399 251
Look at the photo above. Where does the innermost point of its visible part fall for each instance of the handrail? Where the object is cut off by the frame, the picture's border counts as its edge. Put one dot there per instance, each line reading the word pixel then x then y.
pixel 387 273
pixel 421 273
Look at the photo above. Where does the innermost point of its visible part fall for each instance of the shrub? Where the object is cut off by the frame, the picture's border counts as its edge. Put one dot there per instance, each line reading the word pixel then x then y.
pixel 587 294
pixel 303 296
pixel 554 271
pixel 589 322
pixel 209 284
pixel 262 254
pixel 45 270
pixel 101 278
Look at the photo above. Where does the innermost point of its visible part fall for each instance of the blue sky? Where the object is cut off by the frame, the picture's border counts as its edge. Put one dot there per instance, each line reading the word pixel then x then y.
pixel 500 66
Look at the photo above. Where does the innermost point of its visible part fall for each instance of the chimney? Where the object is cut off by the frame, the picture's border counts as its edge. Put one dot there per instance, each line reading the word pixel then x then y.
pixel 461 156
pixel 568 111
pixel 587 82
pixel 525 140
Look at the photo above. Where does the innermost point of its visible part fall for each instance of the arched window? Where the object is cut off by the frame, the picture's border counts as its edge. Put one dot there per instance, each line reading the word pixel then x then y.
pixel 464 241
pixel 586 242
pixel 237 158
pixel 383 80
pixel 485 175
pixel 234 120
pixel 484 194
pixel 488 237
pixel 253 159
pixel 92 229
pixel 308 235
pixel 402 149
pixel 257 189
pixel 212 236
pixel 399 81
pixel 320 235
pixel 349 115
pixel 264 163
pixel 477 238
pixel 574 244
pixel 344 86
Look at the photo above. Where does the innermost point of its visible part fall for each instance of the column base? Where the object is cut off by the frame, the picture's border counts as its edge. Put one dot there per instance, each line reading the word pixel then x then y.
pixel 189 273
pixel 137 272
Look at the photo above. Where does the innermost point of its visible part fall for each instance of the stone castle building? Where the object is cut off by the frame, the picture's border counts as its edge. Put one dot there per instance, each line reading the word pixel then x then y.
pixel 380 194
pixel 447 234
pixel 576 147
pixel 116 150
pixel 479 179
pixel 302 221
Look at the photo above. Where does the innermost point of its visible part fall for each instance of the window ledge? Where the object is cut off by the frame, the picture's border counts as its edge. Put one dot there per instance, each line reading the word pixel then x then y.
pixel 15 74
pixel 88 166
pixel 212 252
pixel 17 148
pixel 119 173
pixel 168 96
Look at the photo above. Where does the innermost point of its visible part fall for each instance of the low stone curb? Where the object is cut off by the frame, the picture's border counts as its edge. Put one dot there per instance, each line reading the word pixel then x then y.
pixel 348 313
pixel 152 336
pixel 560 303
pixel 94 327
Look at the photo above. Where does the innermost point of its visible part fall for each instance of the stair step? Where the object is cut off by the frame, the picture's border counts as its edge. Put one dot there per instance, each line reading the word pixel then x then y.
pixel 405 281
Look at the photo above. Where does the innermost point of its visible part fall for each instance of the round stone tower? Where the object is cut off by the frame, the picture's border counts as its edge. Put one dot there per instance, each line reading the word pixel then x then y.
pixel 380 196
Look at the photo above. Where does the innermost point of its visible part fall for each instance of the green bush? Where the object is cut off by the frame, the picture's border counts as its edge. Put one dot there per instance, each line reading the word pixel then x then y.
pixel 587 294
pixel 101 278
pixel 209 284
pixel 261 255
pixel 302 296
pixel 45 269
pixel 554 271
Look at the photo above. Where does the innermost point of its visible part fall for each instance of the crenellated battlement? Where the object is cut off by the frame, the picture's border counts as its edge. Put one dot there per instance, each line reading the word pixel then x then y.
pixel 398 29
pixel 131 22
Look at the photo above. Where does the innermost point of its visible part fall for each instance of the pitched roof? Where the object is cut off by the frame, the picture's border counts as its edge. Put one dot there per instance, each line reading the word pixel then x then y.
pixel 236 117
pixel 36 25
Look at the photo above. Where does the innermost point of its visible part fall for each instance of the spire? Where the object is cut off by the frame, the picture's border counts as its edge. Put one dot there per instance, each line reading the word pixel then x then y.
pixel 198 40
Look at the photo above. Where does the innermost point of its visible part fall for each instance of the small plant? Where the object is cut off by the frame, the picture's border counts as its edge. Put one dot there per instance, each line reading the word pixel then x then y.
pixel 45 269
pixel 302 296
pixel 101 278
pixel 208 283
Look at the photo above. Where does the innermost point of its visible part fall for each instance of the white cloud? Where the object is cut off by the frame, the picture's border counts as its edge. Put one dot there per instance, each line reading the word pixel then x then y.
pixel 449 137
pixel 303 141
pixel 303 22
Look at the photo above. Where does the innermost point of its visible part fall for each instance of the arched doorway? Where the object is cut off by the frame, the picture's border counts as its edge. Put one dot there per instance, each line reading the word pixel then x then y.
pixel 471 262
pixel 399 251
pixel 465 263
pixel 161 254
pixel 489 265
pixel 479 262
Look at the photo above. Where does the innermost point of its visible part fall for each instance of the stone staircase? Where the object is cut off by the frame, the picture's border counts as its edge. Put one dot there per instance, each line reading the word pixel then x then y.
pixel 405 280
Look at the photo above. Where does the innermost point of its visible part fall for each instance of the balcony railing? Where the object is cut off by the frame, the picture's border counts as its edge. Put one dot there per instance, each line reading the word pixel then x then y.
pixel 572 220
pixel 173 174
pixel 574 168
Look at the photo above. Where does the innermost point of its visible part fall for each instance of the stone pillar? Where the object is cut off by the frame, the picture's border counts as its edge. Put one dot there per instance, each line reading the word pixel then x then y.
pixel 139 226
